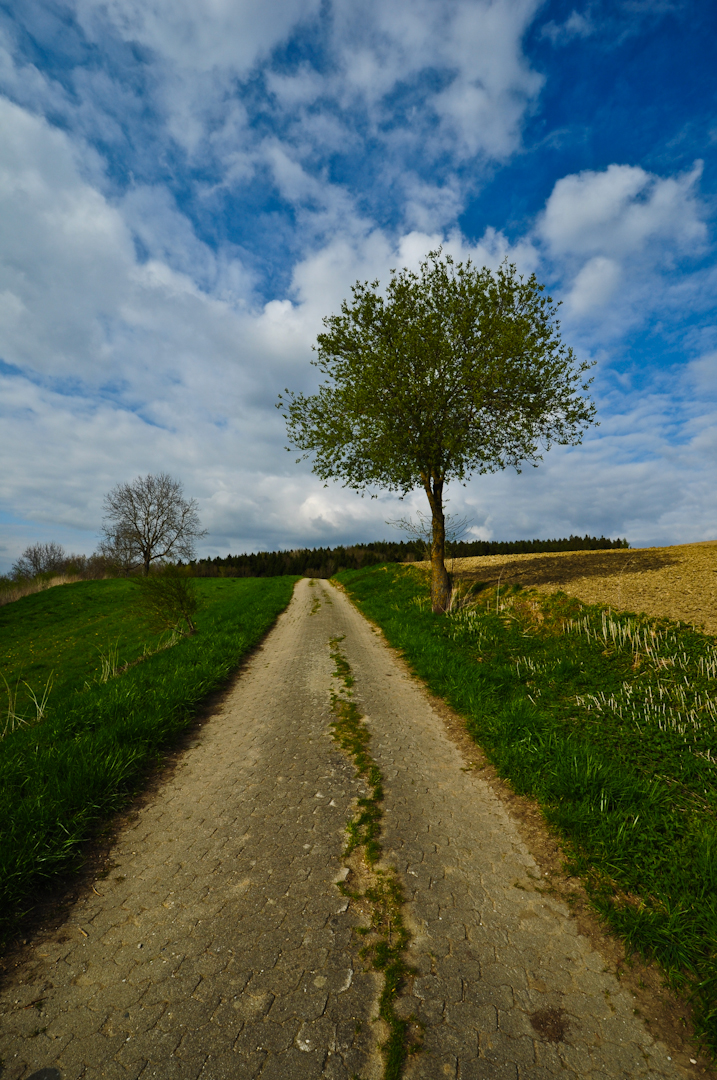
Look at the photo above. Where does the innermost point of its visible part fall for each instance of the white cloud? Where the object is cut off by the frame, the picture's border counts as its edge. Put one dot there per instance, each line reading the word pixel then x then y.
pixel 25 83
pixel 77 301
pixel 494 85
pixel 166 234
pixel 429 206
pixel 594 285
pixel 63 252
pixel 701 374
pixel 302 88
pixel 613 239
pixel 621 210
pixel 461 64
pixel 177 83
pixel 458 67
pixel 229 34
pixel 577 25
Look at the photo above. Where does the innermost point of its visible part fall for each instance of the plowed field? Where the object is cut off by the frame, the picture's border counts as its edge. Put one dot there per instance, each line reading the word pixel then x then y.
pixel 678 582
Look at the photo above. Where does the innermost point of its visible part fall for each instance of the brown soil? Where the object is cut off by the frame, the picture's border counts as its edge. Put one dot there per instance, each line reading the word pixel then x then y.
pixel 677 582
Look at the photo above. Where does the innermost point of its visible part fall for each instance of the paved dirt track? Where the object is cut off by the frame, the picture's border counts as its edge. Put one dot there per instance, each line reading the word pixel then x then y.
pixel 221 946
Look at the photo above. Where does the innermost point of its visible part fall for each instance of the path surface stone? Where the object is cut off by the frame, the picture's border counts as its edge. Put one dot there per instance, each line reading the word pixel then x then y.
pixel 502 969
pixel 221 947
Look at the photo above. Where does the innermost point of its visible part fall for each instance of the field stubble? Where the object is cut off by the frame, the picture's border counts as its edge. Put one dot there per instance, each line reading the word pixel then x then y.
pixel 677 582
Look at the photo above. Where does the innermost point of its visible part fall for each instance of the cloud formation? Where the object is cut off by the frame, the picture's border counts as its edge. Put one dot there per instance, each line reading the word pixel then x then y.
pixel 616 237
pixel 186 193
pixel 623 210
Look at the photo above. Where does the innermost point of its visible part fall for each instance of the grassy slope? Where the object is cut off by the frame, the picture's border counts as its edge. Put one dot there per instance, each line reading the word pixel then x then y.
pixel 615 737
pixel 59 778
pixel 63 632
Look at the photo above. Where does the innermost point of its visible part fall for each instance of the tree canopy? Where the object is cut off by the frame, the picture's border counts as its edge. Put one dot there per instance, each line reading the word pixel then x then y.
pixel 455 370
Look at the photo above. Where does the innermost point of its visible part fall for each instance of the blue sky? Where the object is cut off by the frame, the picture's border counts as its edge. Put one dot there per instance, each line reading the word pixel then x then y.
pixel 185 190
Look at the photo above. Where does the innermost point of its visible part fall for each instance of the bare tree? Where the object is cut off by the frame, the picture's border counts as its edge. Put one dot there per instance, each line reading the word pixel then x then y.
pixel 40 559
pixel 149 519
pixel 117 552
pixel 421 531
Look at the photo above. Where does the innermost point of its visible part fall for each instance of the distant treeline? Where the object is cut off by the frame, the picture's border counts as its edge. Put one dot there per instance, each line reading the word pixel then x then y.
pixel 323 562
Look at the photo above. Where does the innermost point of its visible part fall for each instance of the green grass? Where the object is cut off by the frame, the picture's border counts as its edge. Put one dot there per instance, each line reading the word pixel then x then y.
pixel 60 778
pixel 63 633
pixel 609 722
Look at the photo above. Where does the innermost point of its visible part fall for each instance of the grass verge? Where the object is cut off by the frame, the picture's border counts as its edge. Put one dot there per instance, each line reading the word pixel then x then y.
pixel 609 721
pixel 387 936
pixel 61 777
pixel 75 634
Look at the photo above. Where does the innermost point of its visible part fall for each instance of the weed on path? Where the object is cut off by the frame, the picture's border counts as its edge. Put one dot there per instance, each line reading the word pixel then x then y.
pixel 387 936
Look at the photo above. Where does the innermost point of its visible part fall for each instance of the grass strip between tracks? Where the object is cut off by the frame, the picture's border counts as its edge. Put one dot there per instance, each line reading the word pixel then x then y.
pixel 61 777
pixel 387 936
pixel 609 721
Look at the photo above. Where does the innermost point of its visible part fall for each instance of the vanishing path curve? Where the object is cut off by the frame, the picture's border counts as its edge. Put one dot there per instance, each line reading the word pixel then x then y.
pixel 221 947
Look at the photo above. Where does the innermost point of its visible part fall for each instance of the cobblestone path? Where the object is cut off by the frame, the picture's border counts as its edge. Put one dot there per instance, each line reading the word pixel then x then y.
pixel 221 947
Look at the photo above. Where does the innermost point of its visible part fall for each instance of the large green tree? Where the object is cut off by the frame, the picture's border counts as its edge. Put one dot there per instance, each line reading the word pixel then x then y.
pixel 455 370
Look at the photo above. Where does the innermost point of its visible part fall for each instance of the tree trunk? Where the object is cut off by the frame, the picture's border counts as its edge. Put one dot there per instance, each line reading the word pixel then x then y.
pixel 441 586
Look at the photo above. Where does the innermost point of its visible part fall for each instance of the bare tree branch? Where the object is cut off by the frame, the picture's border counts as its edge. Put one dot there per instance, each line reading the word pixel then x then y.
pixel 149 519
pixel 40 559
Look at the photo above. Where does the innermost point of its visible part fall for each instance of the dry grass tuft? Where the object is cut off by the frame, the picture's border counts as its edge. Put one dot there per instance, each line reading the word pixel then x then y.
pixel 27 588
